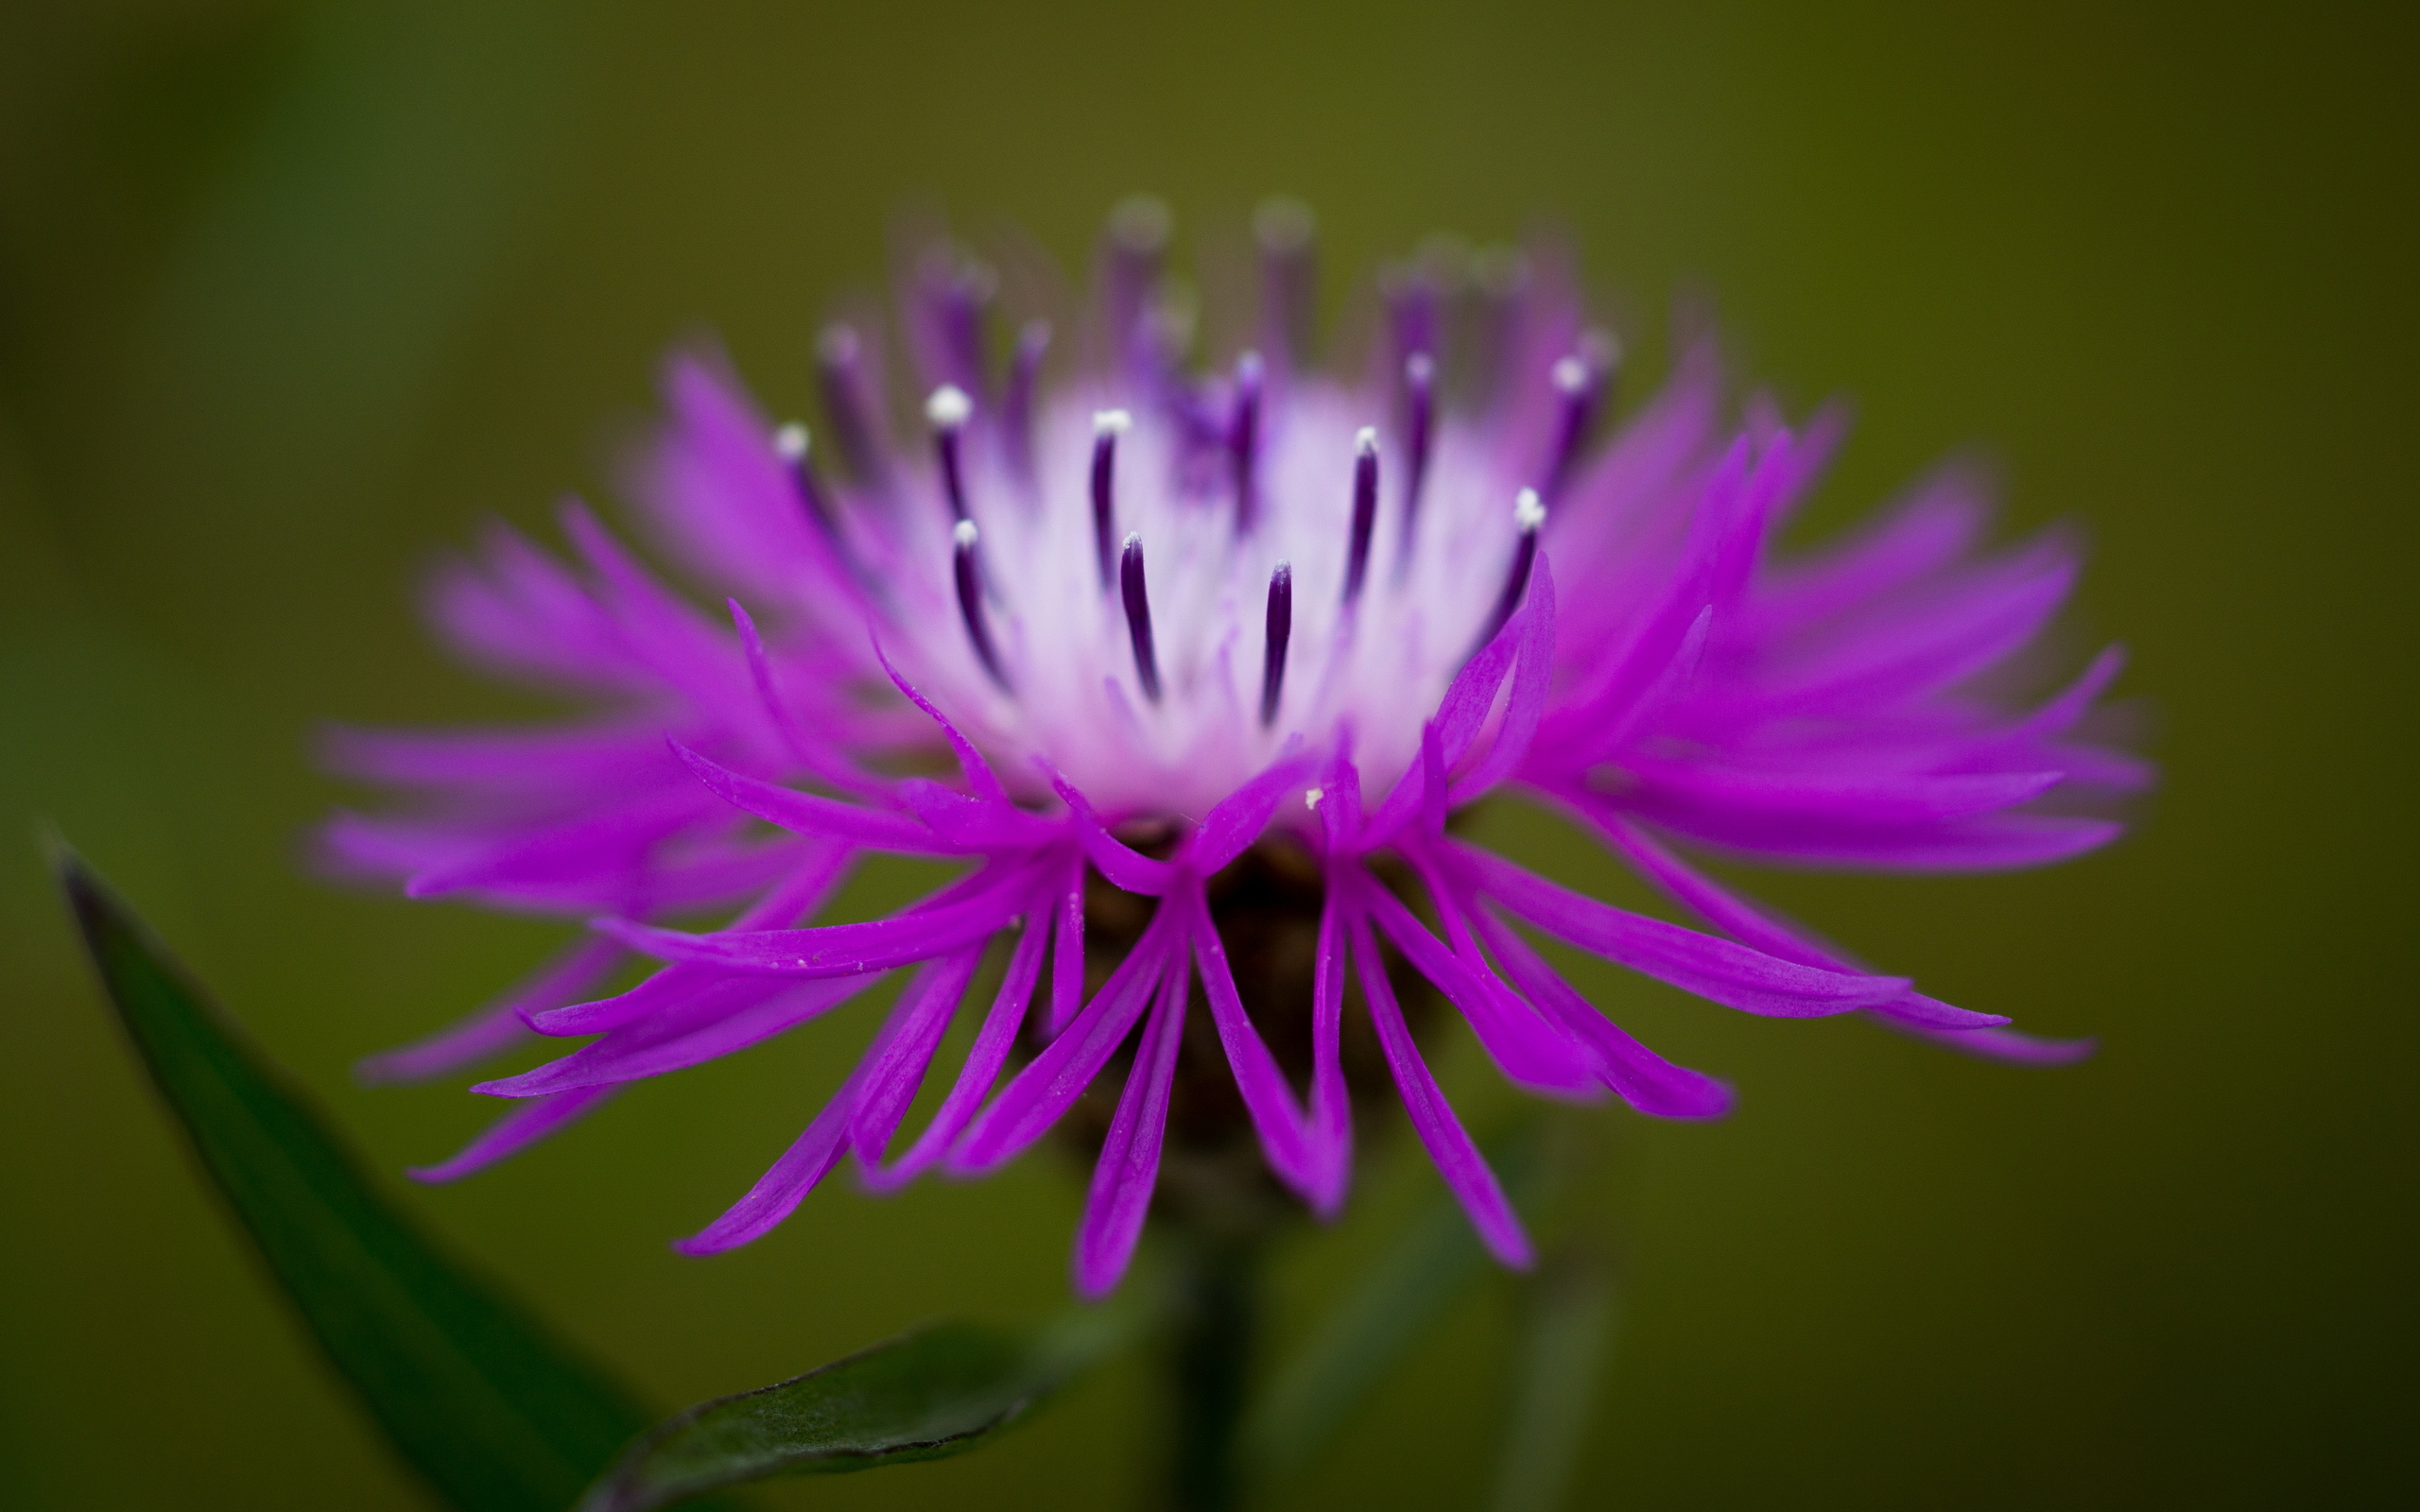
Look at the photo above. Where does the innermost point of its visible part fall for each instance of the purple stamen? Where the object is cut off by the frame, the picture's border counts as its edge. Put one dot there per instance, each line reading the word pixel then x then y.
pixel 839 359
pixel 1243 438
pixel 1528 514
pixel 964 291
pixel 1281 631
pixel 1410 297
pixel 792 444
pixel 1501 276
pixel 1420 401
pixel 1365 511
pixel 1108 425
pixel 969 602
pixel 1289 277
pixel 1580 385
pixel 1138 616
pixel 1016 403
pixel 947 412
pixel 1134 247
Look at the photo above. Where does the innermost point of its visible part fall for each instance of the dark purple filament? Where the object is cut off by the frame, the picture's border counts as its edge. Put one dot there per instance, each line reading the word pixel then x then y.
pixel 1016 403
pixel 1138 616
pixel 1527 516
pixel 948 411
pixel 1365 511
pixel 961 292
pixel 1579 386
pixel 969 602
pixel 792 445
pixel 841 371
pixel 1107 426
pixel 1243 438
pixel 1289 275
pixel 1132 253
pixel 1420 403
pixel 1281 631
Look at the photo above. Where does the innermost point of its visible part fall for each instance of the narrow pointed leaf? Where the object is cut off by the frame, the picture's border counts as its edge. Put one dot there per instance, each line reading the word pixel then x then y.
pixel 938 1391
pixel 495 1411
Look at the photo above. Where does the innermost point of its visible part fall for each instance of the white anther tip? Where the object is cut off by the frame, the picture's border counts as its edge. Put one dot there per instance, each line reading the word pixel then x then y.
pixel 1133 542
pixel 1141 223
pixel 948 408
pixel 1571 375
pixel 1527 513
pixel 963 533
pixel 1284 225
pixel 1365 441
pixel 1111 422
pixel 789 443
pixel 1311 797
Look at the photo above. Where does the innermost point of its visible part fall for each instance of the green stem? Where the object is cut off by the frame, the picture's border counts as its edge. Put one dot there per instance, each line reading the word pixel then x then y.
pixel 1209 1356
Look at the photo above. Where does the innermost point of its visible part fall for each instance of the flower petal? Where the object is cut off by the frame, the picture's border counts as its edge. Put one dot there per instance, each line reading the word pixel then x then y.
pixel 1129 1158
pixel 1716 970
pixel 993 1043
pixel 1432 1118
pixel 1032 1102
pixel 501 1023
pixel 1276 1116
pixel 514 1132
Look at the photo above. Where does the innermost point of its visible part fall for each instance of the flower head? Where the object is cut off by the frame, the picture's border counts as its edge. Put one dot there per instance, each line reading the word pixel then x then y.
pixel 1160 625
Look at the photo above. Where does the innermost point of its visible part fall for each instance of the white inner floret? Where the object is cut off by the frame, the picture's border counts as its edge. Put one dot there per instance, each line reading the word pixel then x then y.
pixel 1374 668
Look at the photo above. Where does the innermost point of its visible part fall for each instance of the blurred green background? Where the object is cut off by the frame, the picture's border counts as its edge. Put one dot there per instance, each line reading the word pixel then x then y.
pixel 296 293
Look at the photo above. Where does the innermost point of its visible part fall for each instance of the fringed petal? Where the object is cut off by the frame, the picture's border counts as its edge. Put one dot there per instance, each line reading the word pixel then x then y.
pixel 514 1132
pixel 1432 1118
pixel 1129 1158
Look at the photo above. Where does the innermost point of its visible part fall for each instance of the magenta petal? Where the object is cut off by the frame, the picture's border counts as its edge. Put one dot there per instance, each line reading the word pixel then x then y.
pixel 1459 714
pixel 500 1023
pixel 1644 1079
pixel 1526 706
pixel 514 1132
pixel 1716 970
pixel 779 1191
pixel 983 1062
pixel 838 950
pixel 810 1159
pixel 1068 958
pixel 1033 1101
pixel 726 1017
pixel 1276 1117
pixel 807 813
pixel 1432 1118
pixel 2009 1046
pixel 926 1010
pixel 1331 1104
pixel 979 776
pixel 1129 1158
pixel 1237 820
pixel 801 892
pixel 826 764
pixel 1123 865
pixel 1527 1049
pixel 1725 910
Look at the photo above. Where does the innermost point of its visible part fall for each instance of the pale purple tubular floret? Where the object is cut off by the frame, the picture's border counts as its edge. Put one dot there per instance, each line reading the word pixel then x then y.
pixel 1604 625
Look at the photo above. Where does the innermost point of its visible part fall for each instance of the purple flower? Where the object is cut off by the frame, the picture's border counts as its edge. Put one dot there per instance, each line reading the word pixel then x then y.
pixel 1156 620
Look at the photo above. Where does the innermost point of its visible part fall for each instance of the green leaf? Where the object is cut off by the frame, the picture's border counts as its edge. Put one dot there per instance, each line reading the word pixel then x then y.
pixel 498 1413
pixel 938 1391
